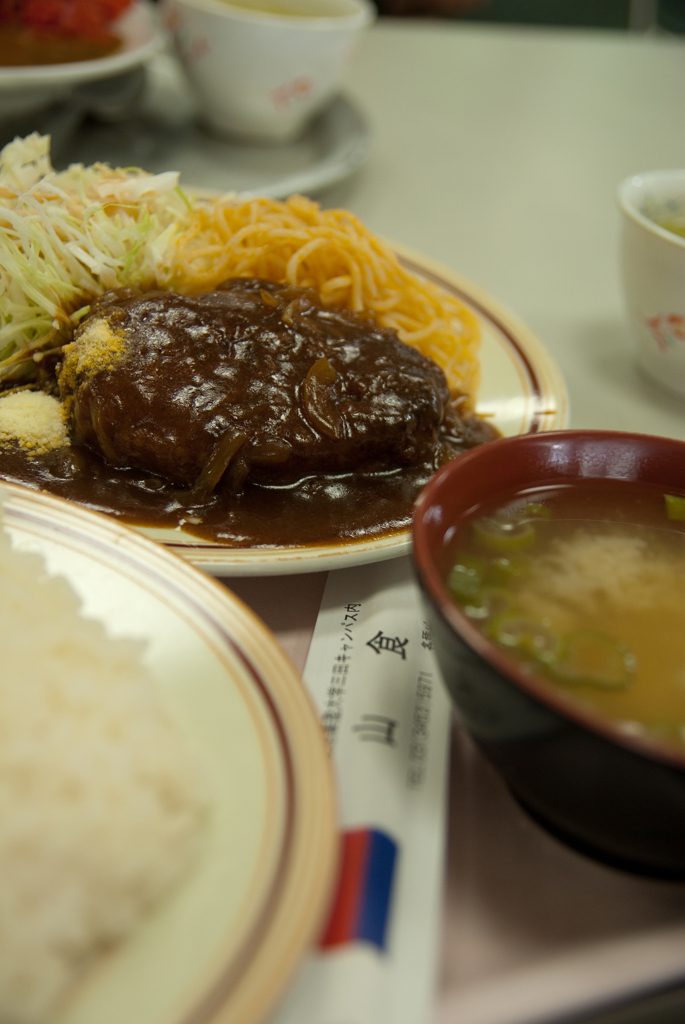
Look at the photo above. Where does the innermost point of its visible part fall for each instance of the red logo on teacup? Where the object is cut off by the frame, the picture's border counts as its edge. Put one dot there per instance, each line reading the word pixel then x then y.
pixel 666 329
pixel 172 20
pixel 291 92
pixel 199 48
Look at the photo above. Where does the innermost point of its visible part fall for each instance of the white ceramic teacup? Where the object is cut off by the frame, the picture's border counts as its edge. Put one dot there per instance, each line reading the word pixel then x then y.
pixel 653 269
pixel 262 68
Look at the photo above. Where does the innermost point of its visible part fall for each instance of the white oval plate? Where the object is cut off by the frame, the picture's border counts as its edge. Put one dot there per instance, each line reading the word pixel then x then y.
pixel 221 947
pixel 522 392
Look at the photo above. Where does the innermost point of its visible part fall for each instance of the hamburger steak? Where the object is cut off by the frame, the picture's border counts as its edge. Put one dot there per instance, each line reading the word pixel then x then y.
pixel 254 381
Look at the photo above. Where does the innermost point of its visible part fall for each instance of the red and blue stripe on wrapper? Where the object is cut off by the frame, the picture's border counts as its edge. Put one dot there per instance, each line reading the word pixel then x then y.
pixel 362 903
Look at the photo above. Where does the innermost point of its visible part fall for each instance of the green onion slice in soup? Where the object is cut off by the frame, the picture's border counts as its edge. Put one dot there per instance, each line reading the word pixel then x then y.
pixel 675 506
pixel 594 660
pixel 503 536
pixel 465 579
pixel 526 635
pixel 490 603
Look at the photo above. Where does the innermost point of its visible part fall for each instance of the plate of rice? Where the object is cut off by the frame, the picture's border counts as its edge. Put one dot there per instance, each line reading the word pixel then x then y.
pixel 167 837
pixel 67 238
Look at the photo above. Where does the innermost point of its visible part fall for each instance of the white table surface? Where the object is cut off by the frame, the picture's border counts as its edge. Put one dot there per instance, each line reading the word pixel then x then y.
pixel 498 152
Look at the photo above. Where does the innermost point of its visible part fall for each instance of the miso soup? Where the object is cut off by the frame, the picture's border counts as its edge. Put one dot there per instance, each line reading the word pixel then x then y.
pixel 584 586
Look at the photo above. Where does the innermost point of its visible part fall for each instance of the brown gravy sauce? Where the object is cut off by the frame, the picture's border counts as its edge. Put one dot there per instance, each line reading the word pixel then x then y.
pixel 322 509
pixel 22 47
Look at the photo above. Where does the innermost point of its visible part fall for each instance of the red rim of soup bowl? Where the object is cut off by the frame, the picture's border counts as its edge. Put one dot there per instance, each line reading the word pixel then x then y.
pixel 482 473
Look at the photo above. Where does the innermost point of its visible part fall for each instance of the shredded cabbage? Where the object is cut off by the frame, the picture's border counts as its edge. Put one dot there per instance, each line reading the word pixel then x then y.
pixel 67 237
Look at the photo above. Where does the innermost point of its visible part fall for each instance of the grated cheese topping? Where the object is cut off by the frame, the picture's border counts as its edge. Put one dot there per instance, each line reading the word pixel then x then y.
pixel 97 347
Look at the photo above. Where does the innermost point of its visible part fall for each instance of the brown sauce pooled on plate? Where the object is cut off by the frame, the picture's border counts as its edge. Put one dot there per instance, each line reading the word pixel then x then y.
pixel 21 46
pixel 250 415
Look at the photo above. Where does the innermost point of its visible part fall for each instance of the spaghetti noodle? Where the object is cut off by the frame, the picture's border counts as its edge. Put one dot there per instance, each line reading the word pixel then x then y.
pixel 298 243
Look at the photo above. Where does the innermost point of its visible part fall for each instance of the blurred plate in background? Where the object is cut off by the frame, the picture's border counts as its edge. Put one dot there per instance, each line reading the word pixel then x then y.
pixel 26 90
pixel 145 117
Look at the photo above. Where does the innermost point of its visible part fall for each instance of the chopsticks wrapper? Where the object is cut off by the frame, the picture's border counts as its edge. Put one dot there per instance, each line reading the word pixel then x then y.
pixel 373 678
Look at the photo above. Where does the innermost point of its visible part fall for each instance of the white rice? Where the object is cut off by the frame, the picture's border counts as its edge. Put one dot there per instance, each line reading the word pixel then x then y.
pixel 101 803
